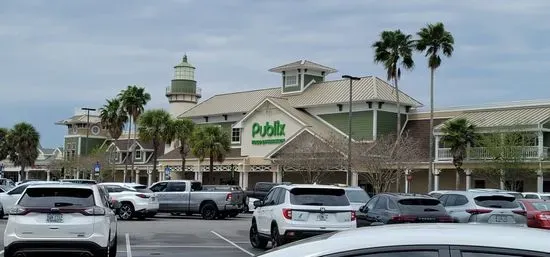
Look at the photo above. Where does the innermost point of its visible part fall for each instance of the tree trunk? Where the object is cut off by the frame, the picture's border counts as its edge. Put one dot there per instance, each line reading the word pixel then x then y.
pixel 133 151
pixel 211 168
pixel 127 151
pixel 155 156
pixel 182 149
pixel 398 134
pixel 21 172
pixel 432 147
pixel 457 178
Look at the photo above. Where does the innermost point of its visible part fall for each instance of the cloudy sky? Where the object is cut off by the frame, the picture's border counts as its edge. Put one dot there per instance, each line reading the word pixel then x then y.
pixel 56 56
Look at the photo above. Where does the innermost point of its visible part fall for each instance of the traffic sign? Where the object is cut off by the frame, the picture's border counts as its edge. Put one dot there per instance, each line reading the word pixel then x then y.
pixel 167 171
pixel 97 168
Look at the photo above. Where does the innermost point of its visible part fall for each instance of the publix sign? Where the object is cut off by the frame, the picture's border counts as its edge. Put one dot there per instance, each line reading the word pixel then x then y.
pixel 268 133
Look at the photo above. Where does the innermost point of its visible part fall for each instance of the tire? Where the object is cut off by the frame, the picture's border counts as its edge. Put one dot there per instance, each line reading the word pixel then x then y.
pixel 233 214
pixel 113 250
pixel 175 213
pixel 189 214
pixel 209 211
pixel 276 239
pixel 245 209
pixel 126 211
pixel 255 239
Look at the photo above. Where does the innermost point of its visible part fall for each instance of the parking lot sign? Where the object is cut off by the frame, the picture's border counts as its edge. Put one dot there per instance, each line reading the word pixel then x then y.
pixel 97 168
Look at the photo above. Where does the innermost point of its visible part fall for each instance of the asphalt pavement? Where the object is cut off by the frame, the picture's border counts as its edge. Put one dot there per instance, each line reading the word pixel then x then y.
pixel 182 236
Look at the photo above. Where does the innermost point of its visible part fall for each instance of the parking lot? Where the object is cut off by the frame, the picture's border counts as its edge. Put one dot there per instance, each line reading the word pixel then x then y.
pixel 182 236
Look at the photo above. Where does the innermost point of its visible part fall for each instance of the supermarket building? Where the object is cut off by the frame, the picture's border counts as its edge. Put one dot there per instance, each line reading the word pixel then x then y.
pixel 263 122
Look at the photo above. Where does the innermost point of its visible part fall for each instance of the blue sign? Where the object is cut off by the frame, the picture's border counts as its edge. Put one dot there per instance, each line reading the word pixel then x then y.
pixel 97 168
pixel 167 171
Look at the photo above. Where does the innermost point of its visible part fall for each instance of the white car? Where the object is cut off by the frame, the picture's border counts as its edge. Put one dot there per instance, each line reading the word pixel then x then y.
pixel 135 199
pixel 62 218
pixel 530 195
pixel 9 198
pixel 292 212
pixel 424 240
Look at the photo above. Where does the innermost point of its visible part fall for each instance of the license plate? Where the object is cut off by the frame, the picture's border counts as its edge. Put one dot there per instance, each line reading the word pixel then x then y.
pixel 322 217
pixel 54 218
pixel 501 219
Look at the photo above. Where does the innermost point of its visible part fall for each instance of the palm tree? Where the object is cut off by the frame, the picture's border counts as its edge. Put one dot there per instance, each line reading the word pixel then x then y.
pixel 211 142
pixel 133 99
pixel 434 39
pixel 23 140
pixel 113 118
pixel 183 131
pixel 458 134
pixel 155 126
pixel 3 144
pixel 394 50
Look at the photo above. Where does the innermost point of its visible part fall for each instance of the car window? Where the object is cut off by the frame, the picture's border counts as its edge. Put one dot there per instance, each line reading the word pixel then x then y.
pixel 531 196
pixel 269 197
pixel 175 187
pixel 455 200
pixel 481 254
pixel 57 197
pixel 18 190
pixel 542 206
pixel 451 199
pixel 420 205
pixel 372 202
pixel 461 200
pixel 357 196
pixel 319 196
pixel 497 201
pixel 392 205
pixel 159 187
pixel 280 196
pixel 412 253
pixel 443 199
pixel 382 204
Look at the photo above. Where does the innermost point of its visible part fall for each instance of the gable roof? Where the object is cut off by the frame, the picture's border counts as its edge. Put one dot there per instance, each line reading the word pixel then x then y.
pixel 79 119
pixel 329 92
pixel 532 116
pixel 303 64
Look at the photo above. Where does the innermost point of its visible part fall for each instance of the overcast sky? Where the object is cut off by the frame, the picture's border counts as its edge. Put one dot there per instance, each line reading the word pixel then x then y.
pixel 56 56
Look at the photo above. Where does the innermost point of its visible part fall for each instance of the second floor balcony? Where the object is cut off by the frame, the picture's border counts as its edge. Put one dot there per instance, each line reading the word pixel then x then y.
pixel 530 153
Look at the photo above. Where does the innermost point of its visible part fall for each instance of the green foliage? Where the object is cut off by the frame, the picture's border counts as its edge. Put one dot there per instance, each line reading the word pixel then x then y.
pixel 134 99
pixel 458 134
pixel 210 142
pixel 113 117
pixel 394 50
pixel 23 141
pixel 156 126
pixel 183 132
pixel 434 39
pixel 4 151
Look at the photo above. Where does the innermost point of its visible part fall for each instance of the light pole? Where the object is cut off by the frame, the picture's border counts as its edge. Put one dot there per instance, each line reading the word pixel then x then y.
pixel 87 128
pixel 351 79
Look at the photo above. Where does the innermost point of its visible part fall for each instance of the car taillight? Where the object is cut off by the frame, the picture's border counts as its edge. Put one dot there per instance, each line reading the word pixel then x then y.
pixel 404 218
pixel 142 196
pixel 18 211
pixel 478 211
pixel 445 219
pixel 353 216
pixel 542 216
pixel 520 212
pixel 229 197
pixel 287 213
pixel 94 211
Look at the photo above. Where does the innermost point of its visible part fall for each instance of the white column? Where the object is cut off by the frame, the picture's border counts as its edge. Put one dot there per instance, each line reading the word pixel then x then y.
pixel 245 178
pixel 407 186
pixel 274 176
pixel 161 175
pixel 540 181
pixel 279 172
pixel 19 178
pixel 241 179
pixel 123 176
pixel 502 186
pixel 47 175
pixel 199 175
pixel 77 174
pixel 540 145
pixel 468 178
pixel 436 148
pixel 374 123
pixel 91 175
pixel 137 176
pixel 26 174
pixel 436 179
pixel 149 177
pixel 354 179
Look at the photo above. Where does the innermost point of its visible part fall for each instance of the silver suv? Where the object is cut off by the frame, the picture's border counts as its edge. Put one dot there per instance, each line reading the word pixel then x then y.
pixel 483 207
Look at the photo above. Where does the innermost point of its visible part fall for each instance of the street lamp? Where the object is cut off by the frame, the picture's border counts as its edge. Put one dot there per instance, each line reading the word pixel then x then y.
pixel 87 127
pixel 351 79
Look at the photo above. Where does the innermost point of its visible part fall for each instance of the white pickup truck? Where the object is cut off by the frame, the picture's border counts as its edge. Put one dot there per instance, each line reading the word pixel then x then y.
pixel 188 196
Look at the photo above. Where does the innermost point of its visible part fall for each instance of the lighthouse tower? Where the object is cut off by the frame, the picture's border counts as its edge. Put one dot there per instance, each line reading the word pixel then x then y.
pixel 183 93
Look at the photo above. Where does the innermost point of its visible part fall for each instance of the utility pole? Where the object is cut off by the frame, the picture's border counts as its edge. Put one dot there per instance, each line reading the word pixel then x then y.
pixel 351 79
pixel 87 130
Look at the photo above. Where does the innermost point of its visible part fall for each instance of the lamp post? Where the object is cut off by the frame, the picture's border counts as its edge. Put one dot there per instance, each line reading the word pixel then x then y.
pixel 351 79
pixel 87 128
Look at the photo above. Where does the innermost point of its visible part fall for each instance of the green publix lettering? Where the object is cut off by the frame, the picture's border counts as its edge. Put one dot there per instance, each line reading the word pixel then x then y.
pixel 275 130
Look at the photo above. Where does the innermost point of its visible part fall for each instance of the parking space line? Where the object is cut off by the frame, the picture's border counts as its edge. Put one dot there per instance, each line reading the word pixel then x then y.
pixel 182 246
pixel 128 248
pixel 2 252
pixel 233 244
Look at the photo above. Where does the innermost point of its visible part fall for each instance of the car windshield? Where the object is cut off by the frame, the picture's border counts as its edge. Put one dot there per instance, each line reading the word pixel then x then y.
pixel 541 206
pixel 318 197
pixel 545 197
pixel 357 196
pixel 57 197
pixel 497 201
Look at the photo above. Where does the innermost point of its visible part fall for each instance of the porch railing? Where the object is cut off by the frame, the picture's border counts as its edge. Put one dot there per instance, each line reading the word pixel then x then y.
pixel 482 153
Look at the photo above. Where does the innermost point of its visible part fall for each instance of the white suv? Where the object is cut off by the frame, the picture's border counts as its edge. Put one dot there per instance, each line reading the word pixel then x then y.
pixel 62 218
pixel 293 212
pixel 135 199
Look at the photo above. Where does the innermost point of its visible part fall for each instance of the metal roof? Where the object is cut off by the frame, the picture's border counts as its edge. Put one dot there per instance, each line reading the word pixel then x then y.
pixel 329 92
pixel 303 64
pixel 79 119
pixel 505 117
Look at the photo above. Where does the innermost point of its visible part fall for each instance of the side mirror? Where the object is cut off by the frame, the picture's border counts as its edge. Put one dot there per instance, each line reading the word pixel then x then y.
pixel 364 209
pixel 258 203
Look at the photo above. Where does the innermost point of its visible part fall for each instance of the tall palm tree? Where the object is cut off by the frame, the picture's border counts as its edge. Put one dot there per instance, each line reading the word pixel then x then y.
pixel 211 142
pixel 434 39
pixel 3 144
pixel 183 131
pixel 394 50
pixel 458 134
pixel 24 141
pixel 113 118
pixel 133 99
pixel 155 126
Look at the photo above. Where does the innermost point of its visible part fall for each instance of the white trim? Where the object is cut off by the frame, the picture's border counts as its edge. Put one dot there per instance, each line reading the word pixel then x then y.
pixel 496 105
pixel 374 124
pixel 238 124
pixel 79 146
pixel 310 83
pixel 90 136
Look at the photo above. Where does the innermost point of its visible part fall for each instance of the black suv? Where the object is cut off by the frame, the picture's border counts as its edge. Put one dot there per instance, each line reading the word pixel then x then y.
pixel 391 208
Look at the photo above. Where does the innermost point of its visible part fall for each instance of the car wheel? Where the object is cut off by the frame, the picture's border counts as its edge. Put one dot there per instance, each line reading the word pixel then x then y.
pixel 255 239
pixel 276 238
pixel 126 211
pixel 209 211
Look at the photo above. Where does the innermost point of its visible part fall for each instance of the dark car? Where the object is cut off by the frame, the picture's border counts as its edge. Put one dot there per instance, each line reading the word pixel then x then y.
pixel 391 208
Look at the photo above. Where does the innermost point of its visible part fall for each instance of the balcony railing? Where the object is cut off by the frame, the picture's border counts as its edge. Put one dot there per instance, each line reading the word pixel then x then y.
pixel 482 153
pixel 196 91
